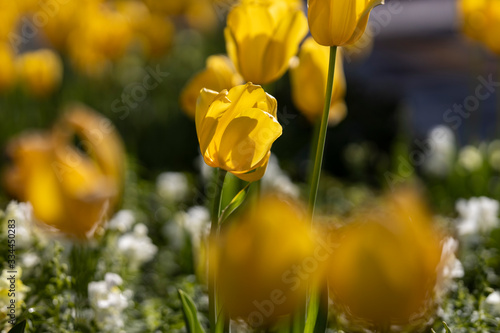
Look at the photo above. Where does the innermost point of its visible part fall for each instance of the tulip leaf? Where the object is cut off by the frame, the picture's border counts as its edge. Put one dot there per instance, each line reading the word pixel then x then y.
pixel 446 327
pixel 234 204
pixel 19 328
pixel 190 314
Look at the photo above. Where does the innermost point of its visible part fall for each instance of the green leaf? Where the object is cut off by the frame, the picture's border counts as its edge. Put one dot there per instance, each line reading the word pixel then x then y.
pixel 190 313
pixel 432 330
pixel 446 327
pixel 234 204
pixel 19 328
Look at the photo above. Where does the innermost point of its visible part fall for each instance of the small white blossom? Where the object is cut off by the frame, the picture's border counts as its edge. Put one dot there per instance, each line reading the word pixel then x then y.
pixel 196 221
pixel 275 179
pixel 30 260
pixel 108 302
pixel 136 246
pixel 26 230
pixel 470 158
pixel 477 215
pixel 172 186
pixel 442 149
pixel 122 221
pixel 493 303
pixel 449 267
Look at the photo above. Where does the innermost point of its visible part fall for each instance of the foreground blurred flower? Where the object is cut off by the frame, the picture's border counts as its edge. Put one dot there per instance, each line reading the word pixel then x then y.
pixel 262 37
pixel 40 71
pixel 383 271
pixel 308 77
pixel 70 191
pixel 236 129
pixel 339 22
pixel 219 74
pixel 8 72
pixel 261 260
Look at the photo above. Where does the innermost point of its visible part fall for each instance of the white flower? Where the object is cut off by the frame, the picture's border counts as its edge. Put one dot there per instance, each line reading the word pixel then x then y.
pixel 441 151
pixel 122 221
pixel 205 170
pixel 275 179
pixel 136 246
pixel 470 158
pixel 449 267
pixel 108 302
pixel 6 281
pixel 25 227
pixel 196 221
pixel 172 186
pixel 477 215
pixel 493 302
pixel 30 260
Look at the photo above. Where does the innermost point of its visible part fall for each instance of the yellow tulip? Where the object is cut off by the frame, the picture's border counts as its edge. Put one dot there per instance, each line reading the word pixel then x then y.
pixel 473 14
pixel 40 71
pixel 8 72
pixel 339 22
pixel 70 191
pixel 219 74
pixel 236 129
pixel 308 78
pixel 153 32
pixel 265 261
pixel 262 37
pixel 9 18
pixel 384 268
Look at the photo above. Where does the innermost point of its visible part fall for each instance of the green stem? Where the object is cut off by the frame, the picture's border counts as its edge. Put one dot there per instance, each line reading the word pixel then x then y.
pixel 318 160
pixel 214 228
pixel 318 303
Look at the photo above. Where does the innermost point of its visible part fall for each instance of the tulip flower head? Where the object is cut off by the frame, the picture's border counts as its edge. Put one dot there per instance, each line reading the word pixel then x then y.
pixel 70 191
pixel 236 129
pixel 40 71
pixel 339 22
pixel 308 77
pixel 262 37
pixel 258 258
pixel 219 74
pixel 384 270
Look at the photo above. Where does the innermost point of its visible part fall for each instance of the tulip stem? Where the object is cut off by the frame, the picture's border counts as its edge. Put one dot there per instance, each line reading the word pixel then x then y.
pixel 318 156
pixel 317 310
pixel 214 229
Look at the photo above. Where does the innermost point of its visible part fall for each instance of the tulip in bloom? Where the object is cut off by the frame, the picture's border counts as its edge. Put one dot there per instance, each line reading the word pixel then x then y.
pixel 262 37
pixel 480 20
pixel 265 261
pixel 236 129
pixel 219 74
pixel 70 191
pixel 339 22
pixel 40 71
pixel 385 268
pixel 308 77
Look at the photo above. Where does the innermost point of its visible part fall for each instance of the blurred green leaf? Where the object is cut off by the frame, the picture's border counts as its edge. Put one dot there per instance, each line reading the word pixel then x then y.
pixel 446 327
pixel 190 313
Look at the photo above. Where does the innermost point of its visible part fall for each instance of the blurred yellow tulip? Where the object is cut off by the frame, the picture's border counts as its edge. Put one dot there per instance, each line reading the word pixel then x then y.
pixel 8 72
pixel 481 20
pixel 384 268
pixel 153 32
pixel 265 261
pixel 308 77
pixel 339 22
pixel 262 37
pixel 9 18
pixel 236 129
pixel 70 191
pixel 219 74
pixel 40 71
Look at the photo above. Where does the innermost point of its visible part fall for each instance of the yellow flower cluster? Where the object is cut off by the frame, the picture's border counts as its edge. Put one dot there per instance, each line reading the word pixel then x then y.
pixel 71 189
pixel 381 268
